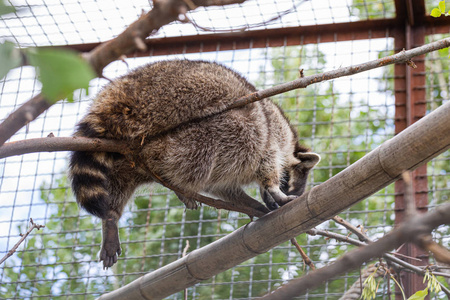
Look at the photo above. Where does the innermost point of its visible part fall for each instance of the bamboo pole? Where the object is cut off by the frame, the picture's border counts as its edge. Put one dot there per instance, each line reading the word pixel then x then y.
pixel 414 146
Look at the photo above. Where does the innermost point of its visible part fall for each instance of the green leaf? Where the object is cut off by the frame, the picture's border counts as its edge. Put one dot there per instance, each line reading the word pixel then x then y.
pixel 5 9
pixel 60 72
pixel 436 13
pixel 442 6
pixel 419 295
pixel 10 58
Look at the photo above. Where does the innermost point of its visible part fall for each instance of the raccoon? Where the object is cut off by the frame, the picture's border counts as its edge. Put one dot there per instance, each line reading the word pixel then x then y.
pixel 173 115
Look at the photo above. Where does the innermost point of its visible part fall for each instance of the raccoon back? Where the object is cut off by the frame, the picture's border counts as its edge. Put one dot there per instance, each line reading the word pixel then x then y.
pixel 160 96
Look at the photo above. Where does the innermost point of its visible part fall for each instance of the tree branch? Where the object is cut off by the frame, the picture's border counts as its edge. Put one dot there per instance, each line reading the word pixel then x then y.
pixel 408 231
pixel 88 144
pixel 426 242
pixel 29 111
pixel 50 144
pixel 131 40
pixel 37 105
pixel 440 253
pixel 401 57
pixel 216 203
pixel 24 236
pixel 387 256
pixel 305 257
pixel 358 232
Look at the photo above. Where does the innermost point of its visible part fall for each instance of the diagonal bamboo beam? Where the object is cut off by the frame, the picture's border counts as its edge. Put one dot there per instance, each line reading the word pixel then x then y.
pixel 413 147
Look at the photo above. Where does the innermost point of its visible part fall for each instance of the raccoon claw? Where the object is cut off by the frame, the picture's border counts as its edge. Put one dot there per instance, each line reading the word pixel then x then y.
pixel 109 256
pixel 274 197
pixel 188 203
pixel 288 199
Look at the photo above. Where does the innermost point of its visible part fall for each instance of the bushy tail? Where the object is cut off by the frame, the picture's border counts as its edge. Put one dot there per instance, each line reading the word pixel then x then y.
pixel 89 173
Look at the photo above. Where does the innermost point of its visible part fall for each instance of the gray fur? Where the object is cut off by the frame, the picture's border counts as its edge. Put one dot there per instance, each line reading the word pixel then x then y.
pixel 216 155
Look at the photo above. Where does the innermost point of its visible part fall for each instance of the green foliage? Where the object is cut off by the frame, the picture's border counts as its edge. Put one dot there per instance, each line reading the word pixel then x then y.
pixel 10 58
pixel 370 287
pixel 364 9
pixel 440 10
pixel 59 251
pixel 60 72
pixel 432 282
pixel 419 295
pixel 6 9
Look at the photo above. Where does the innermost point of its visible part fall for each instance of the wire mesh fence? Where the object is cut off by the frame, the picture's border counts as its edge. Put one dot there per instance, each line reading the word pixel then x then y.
pixel 342 120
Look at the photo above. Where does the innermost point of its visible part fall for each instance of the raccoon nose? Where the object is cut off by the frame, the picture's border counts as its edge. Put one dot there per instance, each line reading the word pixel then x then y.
pixel 273 206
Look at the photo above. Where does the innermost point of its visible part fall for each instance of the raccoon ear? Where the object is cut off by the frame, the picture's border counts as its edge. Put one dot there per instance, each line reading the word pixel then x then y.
pixel 308 159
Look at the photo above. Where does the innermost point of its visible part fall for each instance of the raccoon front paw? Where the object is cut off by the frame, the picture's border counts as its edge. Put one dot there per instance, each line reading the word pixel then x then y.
pixel 278 196
pixel 287 199
pixel 109 254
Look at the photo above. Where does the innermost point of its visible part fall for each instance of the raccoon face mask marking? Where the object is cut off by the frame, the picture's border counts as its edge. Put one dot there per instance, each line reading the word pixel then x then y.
pixel 294 179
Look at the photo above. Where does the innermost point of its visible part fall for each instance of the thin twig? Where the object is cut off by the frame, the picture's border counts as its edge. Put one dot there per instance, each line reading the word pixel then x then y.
pixel 305 257
pixel 336 236
pixel 406 256
pixel 185 250
pixel 217 203
pixel 407 231
pixel 24 236
pixel 388 256
pixel 359 233
pixel 303 82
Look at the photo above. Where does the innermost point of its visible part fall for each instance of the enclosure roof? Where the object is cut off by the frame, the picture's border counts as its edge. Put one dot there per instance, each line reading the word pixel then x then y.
pixel 57 22
pixel 83 25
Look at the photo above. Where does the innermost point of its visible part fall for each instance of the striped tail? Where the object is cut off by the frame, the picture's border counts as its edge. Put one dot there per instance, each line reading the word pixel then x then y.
pixel 89 173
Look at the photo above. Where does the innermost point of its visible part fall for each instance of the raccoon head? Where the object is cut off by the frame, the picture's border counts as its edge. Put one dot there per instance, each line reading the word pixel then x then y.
pixel 293 181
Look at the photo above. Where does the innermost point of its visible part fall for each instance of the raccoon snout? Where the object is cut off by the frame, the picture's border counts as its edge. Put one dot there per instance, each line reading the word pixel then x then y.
pixel 272 206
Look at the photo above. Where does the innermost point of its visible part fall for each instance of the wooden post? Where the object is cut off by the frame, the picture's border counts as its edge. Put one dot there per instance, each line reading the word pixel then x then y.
pixel 410 106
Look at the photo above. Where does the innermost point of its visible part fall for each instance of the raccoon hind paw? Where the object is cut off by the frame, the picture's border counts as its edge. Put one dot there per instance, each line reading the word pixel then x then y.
pixel 109 254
